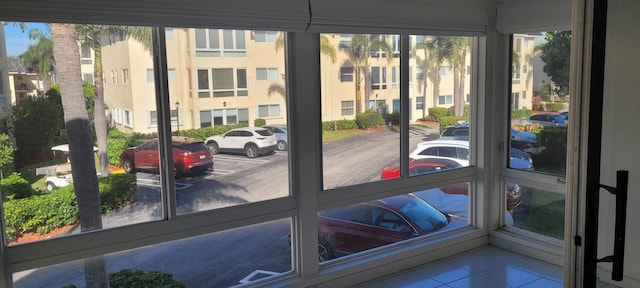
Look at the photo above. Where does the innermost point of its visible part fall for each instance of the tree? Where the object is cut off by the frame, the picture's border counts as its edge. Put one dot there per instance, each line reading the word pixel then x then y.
pixel 556 55
pixel 6 155
pixel 460 48
pixel 39 56
pixel 33 135
pixel 440 49
pixel 358 53
pixel 91 35
pixel 66 53
pixel 426 65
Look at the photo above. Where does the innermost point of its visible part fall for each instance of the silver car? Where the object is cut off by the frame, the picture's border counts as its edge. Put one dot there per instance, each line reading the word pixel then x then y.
pixel 251 141
pixel 281 135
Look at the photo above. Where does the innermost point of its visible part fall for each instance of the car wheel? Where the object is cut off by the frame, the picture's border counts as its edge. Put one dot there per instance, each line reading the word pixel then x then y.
pixel 50 186
pixel 282 145
pixel 213 147
pixel 251 151
pixel 127 165
pixel 325 252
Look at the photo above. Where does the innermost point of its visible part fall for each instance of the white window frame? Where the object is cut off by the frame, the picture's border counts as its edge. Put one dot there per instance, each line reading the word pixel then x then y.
pixel 268 36
pixel 268 73
pixel 345 75
pixel 127 118
pixel 347 108
pixel 448 99
pixel 152 118
pixel 125 76
pixel 278 114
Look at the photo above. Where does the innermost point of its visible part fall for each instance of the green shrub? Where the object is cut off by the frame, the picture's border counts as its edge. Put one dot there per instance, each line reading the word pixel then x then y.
pixel 369 119
pixel 44 213
pixel 259 122
pixel 451 111
pixel 328 125
pixel 435 113
pixel 40 213
pixel 346 124
pixel 521 113
pixel 450 121
pixel 15 187
pixel 127 278
pixel 116 191
pixel 394 118
pixel 555 107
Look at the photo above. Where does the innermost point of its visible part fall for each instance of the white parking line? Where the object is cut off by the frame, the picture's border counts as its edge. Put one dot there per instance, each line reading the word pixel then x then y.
pixel 260 273
pixel 156 183
pixel 237 159
pixel 222 171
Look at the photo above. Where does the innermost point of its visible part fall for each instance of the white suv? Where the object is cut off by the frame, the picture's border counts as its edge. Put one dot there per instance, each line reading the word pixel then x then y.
pixel 457 150
pixel 251 141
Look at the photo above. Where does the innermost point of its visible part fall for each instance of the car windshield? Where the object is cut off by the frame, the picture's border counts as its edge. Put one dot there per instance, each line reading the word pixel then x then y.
pixel 264 132
pixel 425 216
pixel 193 147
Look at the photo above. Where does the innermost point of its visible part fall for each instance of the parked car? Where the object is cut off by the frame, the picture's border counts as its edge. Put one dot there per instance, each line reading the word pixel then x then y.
pixel 281 135
pixel 190 156
pixel 251 141
pixel 421 166
pixel 454 149
pixel 548 119
pixel 57 181
pixel 363 226
pixel 430 165
pixel 519 139
pixel 565 114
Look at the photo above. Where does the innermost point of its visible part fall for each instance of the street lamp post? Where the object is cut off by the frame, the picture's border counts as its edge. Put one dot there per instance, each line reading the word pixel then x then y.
pixel 178 115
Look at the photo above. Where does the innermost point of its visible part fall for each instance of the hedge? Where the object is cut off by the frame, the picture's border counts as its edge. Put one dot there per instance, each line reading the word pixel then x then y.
pixel 369 119
pixel 521 113
pixel 44 213
pixel 450 121
pixel 555 107
pixel 127 278
pixel 451 111
pixel 435 113
pixel 259 122
pixel 15 187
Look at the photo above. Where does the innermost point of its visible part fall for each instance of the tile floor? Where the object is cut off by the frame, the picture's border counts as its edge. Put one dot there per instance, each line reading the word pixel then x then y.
pixel 483 267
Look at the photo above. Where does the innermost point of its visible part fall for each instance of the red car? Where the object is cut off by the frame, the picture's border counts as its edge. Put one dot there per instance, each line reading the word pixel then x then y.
pixel 421 166
pixel 363 226
pixel 190 156
pixel 430 165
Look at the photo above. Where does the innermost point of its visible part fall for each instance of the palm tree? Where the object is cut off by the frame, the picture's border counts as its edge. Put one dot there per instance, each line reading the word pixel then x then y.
pixel 439 48
pixel 39 56
pixel 66 53
pixel 92 35
pixel 358 53
pixel 427 65
pixel 460 48
pixel 325 48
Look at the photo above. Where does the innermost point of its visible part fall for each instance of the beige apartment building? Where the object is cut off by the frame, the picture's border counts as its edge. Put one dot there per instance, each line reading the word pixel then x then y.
pixel 23 82
pixel 219 77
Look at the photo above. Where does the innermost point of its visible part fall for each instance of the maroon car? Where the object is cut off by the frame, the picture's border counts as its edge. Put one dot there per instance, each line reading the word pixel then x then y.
pixel 430 165
pixel 190 156
pixel 363 226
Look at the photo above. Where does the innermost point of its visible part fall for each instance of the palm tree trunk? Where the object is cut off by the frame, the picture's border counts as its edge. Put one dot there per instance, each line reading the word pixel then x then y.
pixel 457 99
pixel 99 117
pixel 65 51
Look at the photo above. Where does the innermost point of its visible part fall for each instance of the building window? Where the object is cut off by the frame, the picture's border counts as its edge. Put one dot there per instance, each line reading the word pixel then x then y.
pixel 209 118
pixel 345 40
pixel 152 119
pixel 445 100
pixel 128 118
pixel 347 108
pixel 516 72
pixel 269 111
pixel 524 94
pixel 394 77
pixel 445 71
pixel 267 74
pixel 168 33
pixel 373 52
pixel 203 83
pixel 420 74
pixel 420 103
pixel 346 74
pixel 125 76
pixel 395 45
pixel 150 76
pixel 266 36
pixel 87 78
pixel 86 54
pixel 114 76
pixel 378 105
pixel 207 42
pixel 524 68
pixel 171 75
pixel 226 83
pixel 378 78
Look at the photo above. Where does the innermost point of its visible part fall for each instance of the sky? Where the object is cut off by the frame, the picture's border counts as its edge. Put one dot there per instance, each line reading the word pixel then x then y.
pixel 18 41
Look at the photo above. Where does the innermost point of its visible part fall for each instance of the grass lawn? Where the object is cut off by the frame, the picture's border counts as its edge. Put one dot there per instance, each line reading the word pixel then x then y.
pixel 544 213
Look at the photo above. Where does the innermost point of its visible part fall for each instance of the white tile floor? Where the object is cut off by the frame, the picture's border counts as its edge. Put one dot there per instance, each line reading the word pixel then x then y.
pixel 483 267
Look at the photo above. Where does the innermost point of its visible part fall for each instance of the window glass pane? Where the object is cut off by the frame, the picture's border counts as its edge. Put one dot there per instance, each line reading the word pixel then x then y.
pixel 539 211
pixel 539 123
pixel 171 74
pixel 51 208
pixel 359 227
pixel 229 94
pixel 214 40
pixel 201 38
pixel 349 94
pixel 240 256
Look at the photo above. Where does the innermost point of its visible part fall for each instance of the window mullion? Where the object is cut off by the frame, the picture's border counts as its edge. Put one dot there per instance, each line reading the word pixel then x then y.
pixel 164 123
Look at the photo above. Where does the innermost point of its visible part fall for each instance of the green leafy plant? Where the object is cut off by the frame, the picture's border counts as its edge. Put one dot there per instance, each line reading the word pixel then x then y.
pixel 450 121
pixel 369 119
pixel 15 187
pixel 346 124
pixel 127 278
pixel 521 113
pixel 435 113
pixel 555 107
pixel 259 122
